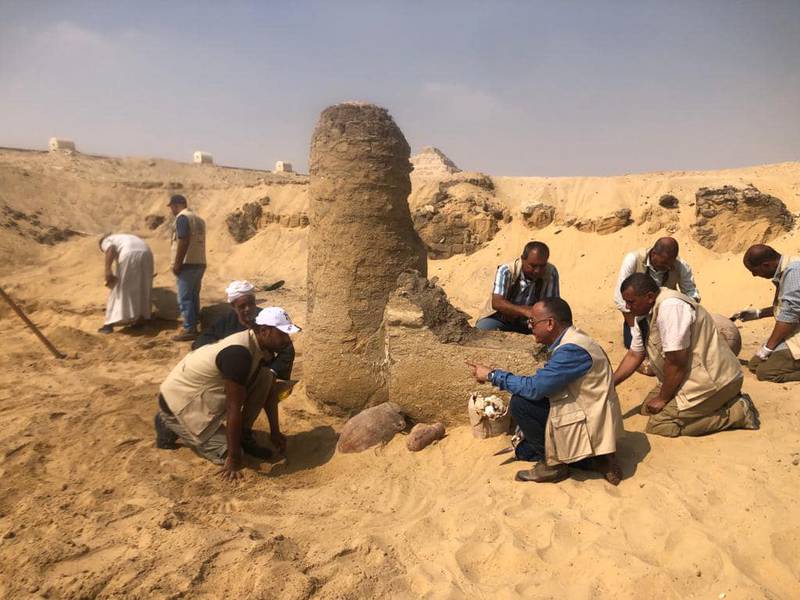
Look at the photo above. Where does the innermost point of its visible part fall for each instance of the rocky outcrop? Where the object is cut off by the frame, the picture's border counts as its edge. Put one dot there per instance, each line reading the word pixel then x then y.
pixel 431 162
pixel 730 219
pixel 460 216
pixel 31 227
pixel 154 221
pixel 668 201
pixel 245 222
pixel 600 225
pixel 538 215
pixel 655 218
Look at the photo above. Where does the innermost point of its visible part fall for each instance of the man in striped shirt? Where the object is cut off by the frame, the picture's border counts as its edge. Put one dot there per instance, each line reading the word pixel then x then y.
pixel 517 287
pixel 778 359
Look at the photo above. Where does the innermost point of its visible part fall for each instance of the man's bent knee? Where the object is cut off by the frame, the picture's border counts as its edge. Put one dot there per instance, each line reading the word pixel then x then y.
pixel 487 324
pixel 662 427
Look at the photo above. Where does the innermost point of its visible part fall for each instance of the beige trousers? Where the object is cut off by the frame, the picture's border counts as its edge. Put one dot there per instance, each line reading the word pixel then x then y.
pixel 215 447
pixel 721 411
pixel 779 367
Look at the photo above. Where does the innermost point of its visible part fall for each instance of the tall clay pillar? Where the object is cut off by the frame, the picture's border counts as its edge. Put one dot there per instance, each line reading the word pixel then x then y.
pixel 361 238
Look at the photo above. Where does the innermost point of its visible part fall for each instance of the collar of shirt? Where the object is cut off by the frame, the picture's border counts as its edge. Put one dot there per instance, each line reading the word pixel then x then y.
pixel 776 278
pixel 552 346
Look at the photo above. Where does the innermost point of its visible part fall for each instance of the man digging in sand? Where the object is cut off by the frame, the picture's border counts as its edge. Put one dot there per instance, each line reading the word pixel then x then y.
pixel 778 359
pixel 568 411
pixel 518 285
pixel 700 378
pixel 212 398
pixel 241 296
pixel 130 289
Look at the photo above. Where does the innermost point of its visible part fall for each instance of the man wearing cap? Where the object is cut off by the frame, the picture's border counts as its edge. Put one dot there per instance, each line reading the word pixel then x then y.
pixel 208 400
pixel 778 358
pixel 242 298
pixel 188 263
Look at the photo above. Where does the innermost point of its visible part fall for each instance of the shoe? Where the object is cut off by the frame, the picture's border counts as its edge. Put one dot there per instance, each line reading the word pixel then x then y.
pixel 251 446
pixel 541 473
pixel 165 437
pixel 751 417
pixel 106 329
pixel 608 467
pixel 186 336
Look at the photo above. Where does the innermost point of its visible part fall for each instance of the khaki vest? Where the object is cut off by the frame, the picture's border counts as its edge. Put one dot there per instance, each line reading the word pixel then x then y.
pixel 585 418
pixel 713 365
pixel 672 279
pixel 194 390
pixel 516 272
pixel 196 253
pixel 793 341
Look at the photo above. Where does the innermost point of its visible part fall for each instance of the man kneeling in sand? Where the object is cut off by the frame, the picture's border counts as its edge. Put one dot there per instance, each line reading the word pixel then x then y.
pixel 778 359
pixel 568 411
pixel 212 398
pixel 700 378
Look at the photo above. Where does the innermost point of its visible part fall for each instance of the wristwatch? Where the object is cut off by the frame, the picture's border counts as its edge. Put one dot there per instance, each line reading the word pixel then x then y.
pixel 490 377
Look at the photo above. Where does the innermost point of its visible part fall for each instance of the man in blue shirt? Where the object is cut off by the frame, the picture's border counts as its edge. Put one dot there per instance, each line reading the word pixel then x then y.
pixel 568 411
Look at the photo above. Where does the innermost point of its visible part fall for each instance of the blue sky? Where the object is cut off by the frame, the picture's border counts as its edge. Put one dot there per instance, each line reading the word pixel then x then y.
pixel 595 87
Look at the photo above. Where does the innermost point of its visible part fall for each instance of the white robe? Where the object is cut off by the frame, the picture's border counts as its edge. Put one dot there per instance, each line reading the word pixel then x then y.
pixel 129 299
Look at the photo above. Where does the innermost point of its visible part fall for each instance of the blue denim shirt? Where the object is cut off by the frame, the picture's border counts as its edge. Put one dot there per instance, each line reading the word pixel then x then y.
pixel 567 363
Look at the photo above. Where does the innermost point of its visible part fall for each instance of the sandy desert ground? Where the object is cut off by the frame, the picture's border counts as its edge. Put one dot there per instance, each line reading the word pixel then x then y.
pixel 89 508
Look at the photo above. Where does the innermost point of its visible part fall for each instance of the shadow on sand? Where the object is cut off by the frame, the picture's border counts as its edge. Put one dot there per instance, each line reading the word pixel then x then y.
pixel 307 450
pixel 631 450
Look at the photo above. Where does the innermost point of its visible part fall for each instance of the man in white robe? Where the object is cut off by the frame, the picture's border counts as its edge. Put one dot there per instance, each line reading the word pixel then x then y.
pixel 129 298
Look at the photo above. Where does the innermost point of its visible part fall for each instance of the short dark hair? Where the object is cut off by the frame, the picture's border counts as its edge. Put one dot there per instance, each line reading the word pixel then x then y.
pixel 558 309
pixel 539 247
pixel 758 254
pixel 640 283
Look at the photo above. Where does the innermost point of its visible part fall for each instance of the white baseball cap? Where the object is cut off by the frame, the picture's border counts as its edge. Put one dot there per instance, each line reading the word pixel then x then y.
pixel 275 316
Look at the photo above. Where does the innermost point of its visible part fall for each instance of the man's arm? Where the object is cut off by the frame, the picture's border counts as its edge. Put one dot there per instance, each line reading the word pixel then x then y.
pixel 509 309
pixel 780 332
pixel 283 362
pixel 220 329
pixel 111 255
pixel 686 281
pixel 184 234
pixel 627 268
pixel 566 365
pixel 234 401
pixel 788 318
pixel 676 367
pixel 628 365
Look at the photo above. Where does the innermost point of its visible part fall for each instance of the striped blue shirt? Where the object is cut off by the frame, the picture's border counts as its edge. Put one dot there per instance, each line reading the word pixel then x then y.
pixel 526 292
pixel 789 293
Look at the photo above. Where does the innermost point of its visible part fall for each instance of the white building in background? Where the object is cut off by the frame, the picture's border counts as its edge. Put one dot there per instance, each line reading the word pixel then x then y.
pixel 60 144
pixel 283 167
pixel 203 158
